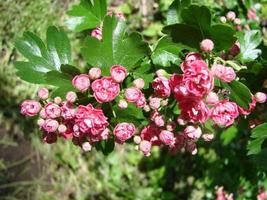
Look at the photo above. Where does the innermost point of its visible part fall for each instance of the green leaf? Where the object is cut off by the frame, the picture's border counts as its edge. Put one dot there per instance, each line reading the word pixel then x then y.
pixel 41 58
pixel 229 134
pixel 117 47
pixel 259 134
pixel 175 9
pixel 197 16
pixel 167 52
pixel 69 69
pixel 239 93
pixel 61 81
pixel 196 26
pixel 249 41
pixel 86 15
pixel 107 146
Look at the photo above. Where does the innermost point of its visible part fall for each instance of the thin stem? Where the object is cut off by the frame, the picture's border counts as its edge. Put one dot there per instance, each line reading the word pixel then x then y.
pixel 113 112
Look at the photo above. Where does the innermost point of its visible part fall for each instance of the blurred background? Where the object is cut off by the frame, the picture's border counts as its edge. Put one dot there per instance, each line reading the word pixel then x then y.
pixel 30 169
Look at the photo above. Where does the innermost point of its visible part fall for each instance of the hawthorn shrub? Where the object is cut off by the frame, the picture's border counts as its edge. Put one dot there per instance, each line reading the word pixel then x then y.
pixel 205 75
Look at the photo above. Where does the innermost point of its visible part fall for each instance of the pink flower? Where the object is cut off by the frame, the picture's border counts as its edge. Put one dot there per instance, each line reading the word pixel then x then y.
pixel 252 105
pixel 97 33
pixel 71 97
pixel 260 97
pixel 119 15
pixel 81 82
pixel 151 133
pixel 231 16
pixel 252 14
pixel 105 89
pixel 62 128
pixel 190 57
pixel 154 103
pixel 123 104
pixel 224 113
pixel 141 102
pixel 86 146
pixel 197 78
pixel 124 131
pixel 206 45
pixel 191 147
pixel 226 74
pixel 118 73
pixel 145 147
pixel 178 87
pixel 52 110
pixel 40 122
pixel 42 114
pixel 193 110
pixel 50 125
pixel 139 83
pixel 171 126
pixel 212 98
pixel 161 87
pixel 67 110
pixel 157 118
pixel 94 73
pixel 90 120
pixel 192 132
pixel 30 108
pixel 167 138
pixel 43 93
pixel 207 137
pixel 132 94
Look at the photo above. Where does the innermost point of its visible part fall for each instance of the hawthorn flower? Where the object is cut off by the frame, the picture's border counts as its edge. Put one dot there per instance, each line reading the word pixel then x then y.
pixel 118 73
pixel 94 73
pixel 124 131
pixel 52 110
pixel 81 82
pixel 30 108
pixel 43 93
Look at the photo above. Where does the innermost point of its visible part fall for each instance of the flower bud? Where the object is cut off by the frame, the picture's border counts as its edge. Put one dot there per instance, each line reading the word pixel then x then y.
pixel 94 73
pixel 62 128
pixel 40 122
pixel 223 19
pixel 57 100
pixel 86 146
pixel 145 147
pixel 181 121
pixel 43 93
pixel 167 138
pixel 192 148
pixel 206 45
pixel 97 33
pixel 118 73
pixel 146 108
pixel 164 102
pixel 43 114
pixel 159 121
pixel 50 125
pixel 71 97
pixel 171 126
pixel 139 83
pixel 237 21
pixel 231 16
pixel 81 82
pixel 207 137
pixel 154 103
pixel 161 72
pixel 123 104
pixel 260 97
pixel 137 139
pixel 192 132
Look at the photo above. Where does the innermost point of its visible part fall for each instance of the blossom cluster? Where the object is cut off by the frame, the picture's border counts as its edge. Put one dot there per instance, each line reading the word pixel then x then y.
pixel 193 91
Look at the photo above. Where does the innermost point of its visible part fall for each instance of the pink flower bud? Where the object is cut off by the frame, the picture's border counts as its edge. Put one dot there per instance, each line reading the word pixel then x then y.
pixel 137 139
pixel 154 103
pixel 43 114
pixel 139 83
pixel 212 98
pixel 123 104
pixel 86 146
pixel 141 102
pixel 181 121
pixel 62 128
pixel 167 138
pixel 124 131
pixel 252 14
pixel 94 73
pixel 81 82
pixel 192 132
pixel 206 45
pixel 43 93
pixel 97 33
pixel 118 73
pixel 71 97
pixel 52 110
pixel 145 147
pixel 57 100
pixel 50 125
pixel 260 97
pixel 159 121
pixel 207 137
pixel 105 134
pixel 40 122
pixel 171 126
pixel 164 102
pixel 223 19
pixel 192 148
pixel 132 94
pixel 235 50
pixel 231 16
pixel 237 21
pixel 30 108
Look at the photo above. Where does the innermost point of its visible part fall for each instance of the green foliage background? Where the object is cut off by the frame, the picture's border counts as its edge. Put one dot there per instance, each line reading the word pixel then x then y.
pixel 30 169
